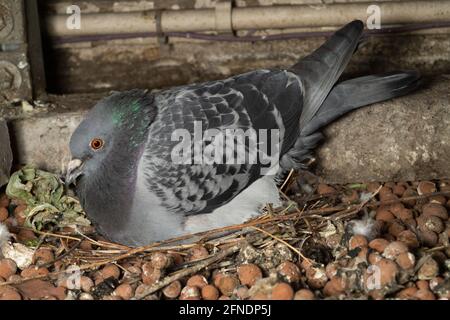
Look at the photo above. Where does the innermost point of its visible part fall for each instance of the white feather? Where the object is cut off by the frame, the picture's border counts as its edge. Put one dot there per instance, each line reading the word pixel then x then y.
pixel 366 227
pixel 4 235
pixel 244 206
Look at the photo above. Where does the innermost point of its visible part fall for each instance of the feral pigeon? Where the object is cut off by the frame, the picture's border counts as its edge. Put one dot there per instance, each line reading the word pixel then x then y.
pixel 149 166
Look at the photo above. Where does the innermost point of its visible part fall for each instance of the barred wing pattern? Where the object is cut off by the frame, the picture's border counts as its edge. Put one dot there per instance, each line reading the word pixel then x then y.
pixel 256 100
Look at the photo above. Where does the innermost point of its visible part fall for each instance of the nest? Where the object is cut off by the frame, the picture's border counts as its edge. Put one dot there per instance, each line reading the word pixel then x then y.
pixel 312 231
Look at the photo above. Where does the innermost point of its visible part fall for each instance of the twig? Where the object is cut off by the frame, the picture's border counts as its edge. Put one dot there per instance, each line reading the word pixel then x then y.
pixel 284 242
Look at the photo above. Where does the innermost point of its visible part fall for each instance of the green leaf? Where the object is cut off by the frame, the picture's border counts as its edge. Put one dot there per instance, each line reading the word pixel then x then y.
pixel 44 194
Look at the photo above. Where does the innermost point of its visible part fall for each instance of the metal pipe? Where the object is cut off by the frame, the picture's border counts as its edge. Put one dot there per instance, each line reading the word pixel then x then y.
pixel 276 17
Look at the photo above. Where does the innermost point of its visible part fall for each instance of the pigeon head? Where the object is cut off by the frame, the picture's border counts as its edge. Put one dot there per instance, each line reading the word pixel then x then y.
pixel 112 132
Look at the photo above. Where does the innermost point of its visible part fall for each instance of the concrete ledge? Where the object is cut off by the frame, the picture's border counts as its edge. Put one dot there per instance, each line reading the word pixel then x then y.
pixel 402 139
pixel 5 153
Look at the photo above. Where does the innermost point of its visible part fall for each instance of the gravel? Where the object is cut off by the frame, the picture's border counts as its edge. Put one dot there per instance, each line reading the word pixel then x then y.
pixel 408 258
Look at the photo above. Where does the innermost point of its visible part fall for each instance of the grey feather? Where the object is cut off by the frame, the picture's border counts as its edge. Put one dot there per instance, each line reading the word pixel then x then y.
pixel 320 70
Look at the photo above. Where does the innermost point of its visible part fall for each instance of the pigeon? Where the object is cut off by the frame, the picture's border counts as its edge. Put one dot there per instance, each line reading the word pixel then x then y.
pixel 154 165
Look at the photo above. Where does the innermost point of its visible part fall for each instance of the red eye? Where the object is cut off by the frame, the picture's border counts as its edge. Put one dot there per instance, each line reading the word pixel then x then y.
pixel 97 144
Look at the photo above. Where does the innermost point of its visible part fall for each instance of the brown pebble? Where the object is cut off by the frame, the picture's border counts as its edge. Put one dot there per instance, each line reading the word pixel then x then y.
pixel 289 271
pixel 8 267
pixel 190 293
pixel 399 190
pixel 438 199
pixel 26 235
pixel 85 296
pixel 216 278
pixel 86 245
pixel 388 271
pixel 406 260
pixel 316 277
pixel 86 284
pixel 430 223
pixel 14 278
pixel 304 294
pixel 357 241
pixel 425 295
pixel 43 256
pixel 282 291
pixel 390 184
pixel 4 201
pixel 176 258
pixel 409 238
pixel 227 284
pixel 161 260
pixel 39 289
pixel 110 270
pixel 373 187
pixel 197 253
pixel 224 298
pixel 334 287
pixel 150 274
pixel 378 244
pixel 3 214
pixel 382 214
pixel 209 292
pixel 395 227
pixel 34 271
pixel 249 273
pixel 395 208
pixel 393 249
pixel 9 293
pixel 124 291
pixel 428 238
pixel 404 214
pixel 423 285
pixel 19 214
pixel 173 290
pixel 374 257
pixel 428 270
pixel 410 224
pixel 409 192
pixel 387 195
pixel 435 209
pixel 407 293
pixel 324 189
pixel 197 281
pixel 425 187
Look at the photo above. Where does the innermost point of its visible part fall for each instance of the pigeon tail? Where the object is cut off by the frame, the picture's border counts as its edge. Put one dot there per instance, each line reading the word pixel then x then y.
pixel 343 98
pixel 320 70
pixel 359 92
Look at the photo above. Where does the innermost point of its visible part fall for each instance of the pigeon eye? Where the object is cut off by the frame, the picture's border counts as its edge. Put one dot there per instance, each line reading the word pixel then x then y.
pixel 97 144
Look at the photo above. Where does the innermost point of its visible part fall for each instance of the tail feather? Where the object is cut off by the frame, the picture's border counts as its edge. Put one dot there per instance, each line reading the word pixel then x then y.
pixel 359 92
pixel 320 70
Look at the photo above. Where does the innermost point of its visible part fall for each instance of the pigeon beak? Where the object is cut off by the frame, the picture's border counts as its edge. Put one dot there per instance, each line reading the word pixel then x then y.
pixel 74 170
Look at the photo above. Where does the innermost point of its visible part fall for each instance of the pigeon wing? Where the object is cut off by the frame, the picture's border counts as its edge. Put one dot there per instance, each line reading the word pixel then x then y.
pixel 257 100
